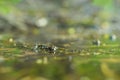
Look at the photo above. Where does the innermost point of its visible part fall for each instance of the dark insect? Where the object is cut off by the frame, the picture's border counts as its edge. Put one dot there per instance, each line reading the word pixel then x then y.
pixel 51 49
pixel 39 48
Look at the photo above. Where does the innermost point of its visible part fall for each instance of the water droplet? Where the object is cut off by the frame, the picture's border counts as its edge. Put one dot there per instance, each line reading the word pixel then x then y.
pixel 42 22
pixel 39 61
pixel 97 42
pixel 113 37
pixel 11 40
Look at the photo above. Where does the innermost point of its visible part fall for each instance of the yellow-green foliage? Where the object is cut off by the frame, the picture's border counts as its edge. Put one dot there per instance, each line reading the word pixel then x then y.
pixel 6 5
pixel 106 4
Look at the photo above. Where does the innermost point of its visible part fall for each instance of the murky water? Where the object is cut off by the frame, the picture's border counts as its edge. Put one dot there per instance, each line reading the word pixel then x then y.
pixel 60 59
pixel 51 67
pixel 87 63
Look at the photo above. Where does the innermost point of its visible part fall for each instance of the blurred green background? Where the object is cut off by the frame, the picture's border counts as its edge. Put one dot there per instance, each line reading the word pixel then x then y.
pixel 80 40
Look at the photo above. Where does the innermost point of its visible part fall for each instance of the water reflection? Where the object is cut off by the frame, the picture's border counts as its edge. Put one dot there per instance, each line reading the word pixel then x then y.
pixel 61 68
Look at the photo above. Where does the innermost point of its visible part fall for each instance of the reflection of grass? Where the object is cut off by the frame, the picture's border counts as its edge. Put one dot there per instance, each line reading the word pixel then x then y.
pixel 86 62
